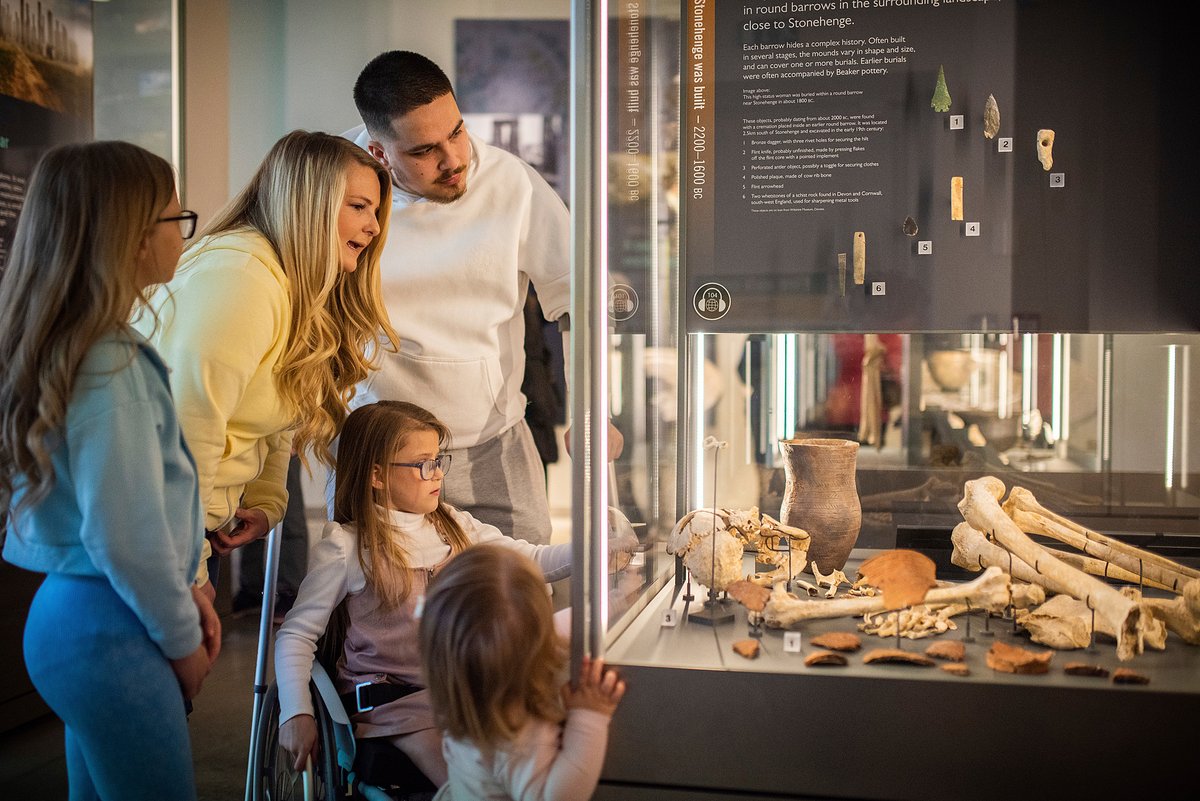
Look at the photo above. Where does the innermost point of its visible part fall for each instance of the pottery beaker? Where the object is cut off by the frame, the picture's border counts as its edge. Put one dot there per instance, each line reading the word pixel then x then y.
pixel 821 497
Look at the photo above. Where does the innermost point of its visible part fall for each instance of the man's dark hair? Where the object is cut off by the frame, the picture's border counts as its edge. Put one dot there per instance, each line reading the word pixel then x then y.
pixel 393 84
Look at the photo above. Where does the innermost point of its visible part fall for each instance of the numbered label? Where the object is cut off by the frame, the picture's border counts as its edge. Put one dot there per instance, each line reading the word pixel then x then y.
pixel 670 618
pixel 1004 144
pixel 1058 180
pixel 791 642
pixel 878 288
pixel 956 122
pixel 971 229
pixel 925 247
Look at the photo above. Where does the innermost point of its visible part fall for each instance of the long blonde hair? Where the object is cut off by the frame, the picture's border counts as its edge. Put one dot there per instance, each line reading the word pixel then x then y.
pixel 491 658
pixel 370 437
pixel 70 280
pixel 293 200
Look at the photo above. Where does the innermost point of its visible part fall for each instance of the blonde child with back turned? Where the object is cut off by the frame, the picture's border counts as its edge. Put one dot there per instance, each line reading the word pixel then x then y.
pixel 390 534
pixel 494 662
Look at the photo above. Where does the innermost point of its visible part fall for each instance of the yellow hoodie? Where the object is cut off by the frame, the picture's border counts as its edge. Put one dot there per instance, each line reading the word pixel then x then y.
pixel 222 328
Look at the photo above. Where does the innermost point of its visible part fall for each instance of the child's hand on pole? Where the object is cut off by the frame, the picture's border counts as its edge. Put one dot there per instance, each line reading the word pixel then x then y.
pixel 598 689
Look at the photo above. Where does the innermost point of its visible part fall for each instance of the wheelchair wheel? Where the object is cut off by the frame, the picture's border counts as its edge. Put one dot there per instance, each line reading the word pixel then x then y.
pixel 274 777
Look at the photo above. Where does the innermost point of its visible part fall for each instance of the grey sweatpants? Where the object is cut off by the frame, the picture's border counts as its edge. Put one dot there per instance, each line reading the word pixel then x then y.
pixel 502 482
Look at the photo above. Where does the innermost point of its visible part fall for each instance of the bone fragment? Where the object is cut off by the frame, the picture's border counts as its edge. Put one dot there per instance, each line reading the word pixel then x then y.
pixel 956 669
pixel 1181 615
pixel 956 198
pixel 913 623
pixel 1025 510
pixel 842 274
pixel 988 591
pixel 980 507
pixel 950 650
pixel 1011 659
pixel 1065 623
pixel 1045 148
pixel 832 580
pixel 896 655
pixel 838 641
pixel 991 117
pixel 812 589
pixel 825 658
pixel 860 257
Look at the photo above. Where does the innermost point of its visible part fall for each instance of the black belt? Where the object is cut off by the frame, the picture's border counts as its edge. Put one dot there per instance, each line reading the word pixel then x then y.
pixel 368 695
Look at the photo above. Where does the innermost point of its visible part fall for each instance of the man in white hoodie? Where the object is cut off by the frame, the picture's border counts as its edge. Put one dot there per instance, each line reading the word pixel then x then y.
pixel 471 226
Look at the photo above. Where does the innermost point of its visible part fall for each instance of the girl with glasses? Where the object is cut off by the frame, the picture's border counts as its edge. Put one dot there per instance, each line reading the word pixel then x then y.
pixel 266 325
pixel 100 490
pixel 391 532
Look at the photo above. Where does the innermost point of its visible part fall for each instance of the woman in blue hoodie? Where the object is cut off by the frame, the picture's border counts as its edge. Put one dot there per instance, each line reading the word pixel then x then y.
pixel 99 487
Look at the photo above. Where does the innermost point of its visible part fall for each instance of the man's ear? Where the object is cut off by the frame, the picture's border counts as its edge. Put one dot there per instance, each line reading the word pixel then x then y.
pixel 376 150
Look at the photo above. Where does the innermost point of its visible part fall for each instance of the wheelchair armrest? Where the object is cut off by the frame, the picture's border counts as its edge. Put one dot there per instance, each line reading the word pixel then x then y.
pixel 329 694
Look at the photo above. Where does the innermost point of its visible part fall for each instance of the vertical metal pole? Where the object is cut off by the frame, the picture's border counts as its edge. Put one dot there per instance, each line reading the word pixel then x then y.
pixel 270 571
pixel 589 324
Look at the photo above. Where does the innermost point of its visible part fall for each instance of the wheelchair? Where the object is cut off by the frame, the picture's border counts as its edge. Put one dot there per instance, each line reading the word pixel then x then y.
pixel 345 769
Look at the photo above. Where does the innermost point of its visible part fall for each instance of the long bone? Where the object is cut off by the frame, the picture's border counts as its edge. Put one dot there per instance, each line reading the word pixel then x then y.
pixel 973 551
pixel 1098 567
pixel 980 507
pixel 989 591
pixel 1025 510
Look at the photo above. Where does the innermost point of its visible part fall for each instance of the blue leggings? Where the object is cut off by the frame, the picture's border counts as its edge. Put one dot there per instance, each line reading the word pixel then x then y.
pixel 90 658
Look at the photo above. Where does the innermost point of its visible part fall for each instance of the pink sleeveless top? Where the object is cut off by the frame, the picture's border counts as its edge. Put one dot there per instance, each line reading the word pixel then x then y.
pixel 382 645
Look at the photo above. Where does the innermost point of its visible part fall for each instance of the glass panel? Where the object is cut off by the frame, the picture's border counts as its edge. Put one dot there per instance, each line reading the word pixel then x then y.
pixel 1097 425
pixel 643 265
pixel 136 84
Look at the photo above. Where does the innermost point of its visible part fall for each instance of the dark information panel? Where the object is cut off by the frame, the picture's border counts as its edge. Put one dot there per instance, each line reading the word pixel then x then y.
pixel 810 125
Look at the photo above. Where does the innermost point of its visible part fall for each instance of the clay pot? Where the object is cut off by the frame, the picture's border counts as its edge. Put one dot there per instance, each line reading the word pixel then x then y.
pixel 950 369
pixel 821 497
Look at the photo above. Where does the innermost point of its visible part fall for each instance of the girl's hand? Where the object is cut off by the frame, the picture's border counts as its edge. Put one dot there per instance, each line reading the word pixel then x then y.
pixel 210 624
pixel 298 736
pixel 190 671
pixel 599 690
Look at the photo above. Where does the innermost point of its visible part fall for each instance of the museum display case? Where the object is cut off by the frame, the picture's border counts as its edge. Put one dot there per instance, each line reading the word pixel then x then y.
pixel 744 366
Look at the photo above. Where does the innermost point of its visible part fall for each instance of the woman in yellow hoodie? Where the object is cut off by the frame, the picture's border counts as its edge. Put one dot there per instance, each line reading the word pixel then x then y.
pixel 266 323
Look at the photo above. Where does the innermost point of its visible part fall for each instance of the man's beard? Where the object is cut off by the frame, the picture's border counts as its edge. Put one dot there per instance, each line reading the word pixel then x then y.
pixel 449 194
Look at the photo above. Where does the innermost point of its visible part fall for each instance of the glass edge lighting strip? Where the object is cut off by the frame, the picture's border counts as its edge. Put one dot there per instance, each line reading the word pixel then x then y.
pixel 1056 387
pixel 1169 466
pixel 698 345
pixel 1184 413
pixel 1028 377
